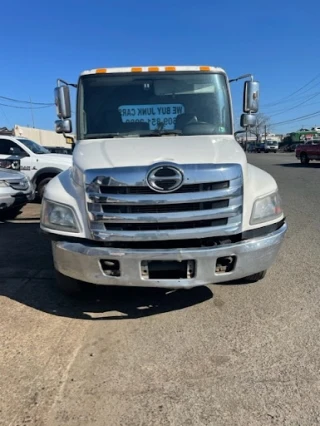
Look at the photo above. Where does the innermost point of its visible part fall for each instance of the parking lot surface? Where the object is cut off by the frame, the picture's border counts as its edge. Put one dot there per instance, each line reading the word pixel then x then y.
pixel 218 355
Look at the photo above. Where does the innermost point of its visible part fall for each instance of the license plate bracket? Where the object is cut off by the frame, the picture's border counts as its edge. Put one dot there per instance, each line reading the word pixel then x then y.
pixel 168 269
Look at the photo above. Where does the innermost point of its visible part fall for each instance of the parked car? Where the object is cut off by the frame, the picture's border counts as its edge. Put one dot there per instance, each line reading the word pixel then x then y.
pixel 16 190
pixel 309 151
pixel 251 147
pixel 271 146
pixel 59 150
pixel 259 147
pixel 37 163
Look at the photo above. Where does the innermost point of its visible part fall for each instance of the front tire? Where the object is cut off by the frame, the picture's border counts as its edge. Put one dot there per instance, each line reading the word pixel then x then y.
pixel 304 158
pixel 255 277
pixel 42 186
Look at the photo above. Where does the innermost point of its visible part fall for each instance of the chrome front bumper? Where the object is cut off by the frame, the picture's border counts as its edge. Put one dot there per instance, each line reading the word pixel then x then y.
pixel 83 262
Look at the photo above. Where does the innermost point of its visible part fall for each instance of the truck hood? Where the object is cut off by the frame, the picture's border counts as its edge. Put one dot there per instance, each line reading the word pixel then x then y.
pixel 63 159
pixel 126 152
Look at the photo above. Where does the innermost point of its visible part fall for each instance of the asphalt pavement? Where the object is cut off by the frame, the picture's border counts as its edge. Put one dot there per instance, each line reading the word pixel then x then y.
pixel 219 355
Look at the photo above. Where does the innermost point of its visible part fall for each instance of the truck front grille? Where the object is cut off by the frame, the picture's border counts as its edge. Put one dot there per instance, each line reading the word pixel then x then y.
pixel 123 208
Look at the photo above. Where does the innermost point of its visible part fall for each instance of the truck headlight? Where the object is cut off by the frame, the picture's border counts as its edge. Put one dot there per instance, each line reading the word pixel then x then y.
pixel 59 217
pixel 266 208
pixel 3 184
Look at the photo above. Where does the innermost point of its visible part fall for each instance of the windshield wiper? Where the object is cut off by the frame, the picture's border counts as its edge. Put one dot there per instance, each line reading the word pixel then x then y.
pixel 162 133
pixel 132 134
pixel 104 135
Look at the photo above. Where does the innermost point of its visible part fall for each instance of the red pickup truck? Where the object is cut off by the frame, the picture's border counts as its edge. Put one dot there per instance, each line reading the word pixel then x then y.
pixel 308 151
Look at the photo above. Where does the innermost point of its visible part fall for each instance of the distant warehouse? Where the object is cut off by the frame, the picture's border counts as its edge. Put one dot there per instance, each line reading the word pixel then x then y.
pixel 41 136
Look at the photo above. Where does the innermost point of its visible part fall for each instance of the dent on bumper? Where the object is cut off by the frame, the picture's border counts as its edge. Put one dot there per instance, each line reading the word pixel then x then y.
pixel 82 262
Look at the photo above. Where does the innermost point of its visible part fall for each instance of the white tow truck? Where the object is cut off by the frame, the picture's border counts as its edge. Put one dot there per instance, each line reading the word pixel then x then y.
pixel 36 162
pixel 160 194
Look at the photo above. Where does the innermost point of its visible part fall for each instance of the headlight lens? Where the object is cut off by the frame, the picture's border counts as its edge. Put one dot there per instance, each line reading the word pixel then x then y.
pixel 3 184
pixel 59 217
pixel 23 184
pixel 266 208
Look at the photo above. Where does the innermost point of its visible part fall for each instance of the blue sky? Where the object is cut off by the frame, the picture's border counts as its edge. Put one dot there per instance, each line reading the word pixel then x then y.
pixel 274 40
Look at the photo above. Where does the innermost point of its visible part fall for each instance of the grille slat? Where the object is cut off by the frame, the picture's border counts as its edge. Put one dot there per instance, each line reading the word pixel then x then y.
pixel 223 213
pixel 164 226
pixel 160 199
pixel 197 187
pixel 209 205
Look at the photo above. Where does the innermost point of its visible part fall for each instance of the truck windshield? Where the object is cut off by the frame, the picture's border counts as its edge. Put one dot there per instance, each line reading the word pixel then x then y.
pixel 121 105
pixel 33 146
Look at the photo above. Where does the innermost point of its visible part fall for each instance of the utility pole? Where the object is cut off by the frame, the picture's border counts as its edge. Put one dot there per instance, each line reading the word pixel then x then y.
pixel 265 133
pixel 31 109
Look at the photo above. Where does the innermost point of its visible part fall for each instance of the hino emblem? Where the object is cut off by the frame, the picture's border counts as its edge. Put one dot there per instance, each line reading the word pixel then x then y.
pixel 165 179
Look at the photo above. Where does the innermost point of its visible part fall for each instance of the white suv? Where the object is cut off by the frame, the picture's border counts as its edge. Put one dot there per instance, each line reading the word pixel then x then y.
pixel 37 163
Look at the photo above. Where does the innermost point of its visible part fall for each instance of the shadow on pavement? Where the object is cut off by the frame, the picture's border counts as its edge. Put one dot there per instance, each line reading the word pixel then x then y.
pixel 26 276
pixel 300 166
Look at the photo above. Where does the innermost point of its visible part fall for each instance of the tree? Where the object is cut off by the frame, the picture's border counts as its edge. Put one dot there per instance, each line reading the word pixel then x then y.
pixel 262 125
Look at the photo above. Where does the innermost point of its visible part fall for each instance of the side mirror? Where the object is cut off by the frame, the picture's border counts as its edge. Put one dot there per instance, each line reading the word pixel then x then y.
pixel 62 101
pixel 251 97
pixel 63 126
pixel 248 120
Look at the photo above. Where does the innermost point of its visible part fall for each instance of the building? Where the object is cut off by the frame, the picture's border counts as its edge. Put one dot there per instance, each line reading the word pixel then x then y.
pixel 42 137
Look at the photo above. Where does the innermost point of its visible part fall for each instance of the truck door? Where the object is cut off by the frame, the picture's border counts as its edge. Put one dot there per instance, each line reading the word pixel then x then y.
pixel 10 150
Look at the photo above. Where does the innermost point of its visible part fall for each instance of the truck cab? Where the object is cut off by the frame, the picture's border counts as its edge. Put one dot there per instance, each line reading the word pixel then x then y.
pixel 160 193
pixel 309 151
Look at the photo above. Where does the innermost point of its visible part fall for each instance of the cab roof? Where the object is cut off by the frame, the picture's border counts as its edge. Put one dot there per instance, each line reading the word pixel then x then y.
pixel 151 69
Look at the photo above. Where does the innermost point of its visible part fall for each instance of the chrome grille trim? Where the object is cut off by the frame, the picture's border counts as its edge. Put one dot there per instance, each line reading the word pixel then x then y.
pixel 200 176
pixel 170 198
pixel 165 235
pixel 168 217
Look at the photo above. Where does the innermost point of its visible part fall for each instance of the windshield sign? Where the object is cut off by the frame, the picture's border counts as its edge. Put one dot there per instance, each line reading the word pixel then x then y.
pixel 154 114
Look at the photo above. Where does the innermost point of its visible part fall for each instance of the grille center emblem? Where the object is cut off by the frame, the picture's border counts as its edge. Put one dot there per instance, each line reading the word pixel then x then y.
pixel 165 179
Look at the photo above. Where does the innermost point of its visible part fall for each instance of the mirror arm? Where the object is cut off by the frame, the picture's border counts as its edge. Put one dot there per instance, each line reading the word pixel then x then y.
pixel 68 136
pixel 59 81
pixel 241 77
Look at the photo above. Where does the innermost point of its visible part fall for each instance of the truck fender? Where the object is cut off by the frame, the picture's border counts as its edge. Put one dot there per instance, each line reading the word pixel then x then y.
pixel 45 171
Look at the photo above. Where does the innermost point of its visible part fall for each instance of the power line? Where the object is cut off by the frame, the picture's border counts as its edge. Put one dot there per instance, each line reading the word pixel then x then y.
pixel 26 102
pixel 294 107
pixel 294 93
pixel 299 98
pixel 26 107
pixel 303 117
